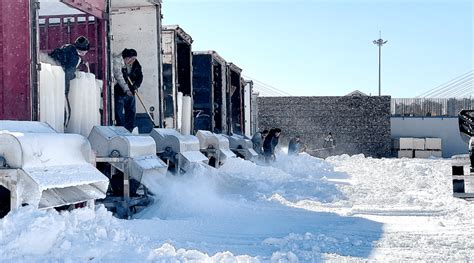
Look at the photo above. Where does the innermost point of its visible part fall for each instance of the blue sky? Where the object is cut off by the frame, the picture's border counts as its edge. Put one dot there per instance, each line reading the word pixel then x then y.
pixel 324 48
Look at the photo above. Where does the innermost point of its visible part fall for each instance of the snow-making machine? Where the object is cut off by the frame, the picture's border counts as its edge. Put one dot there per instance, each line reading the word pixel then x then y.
pixel 46 169
pixel 242 147
pixel 180 152
pixel 131 163
pixel 215 147
pixel 463 169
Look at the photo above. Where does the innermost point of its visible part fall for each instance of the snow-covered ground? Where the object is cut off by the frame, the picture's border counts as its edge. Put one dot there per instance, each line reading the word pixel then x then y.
pixel 302 209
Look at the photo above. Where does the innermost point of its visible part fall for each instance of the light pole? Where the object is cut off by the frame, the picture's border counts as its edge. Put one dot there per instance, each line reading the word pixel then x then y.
pixel 380 42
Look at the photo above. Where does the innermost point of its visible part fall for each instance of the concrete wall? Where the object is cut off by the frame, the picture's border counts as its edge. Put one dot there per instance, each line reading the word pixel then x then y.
pixel 444 128
pixel 359 124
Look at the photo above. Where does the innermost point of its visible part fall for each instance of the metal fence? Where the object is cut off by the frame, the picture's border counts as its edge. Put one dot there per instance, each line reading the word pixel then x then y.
pixel 429 107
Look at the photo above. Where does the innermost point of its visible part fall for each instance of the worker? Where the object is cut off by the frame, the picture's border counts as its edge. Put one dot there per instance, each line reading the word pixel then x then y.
pixel 329 141
pixel 294 146
pixel 257 141
pixel 128 78
pixel 70 57
pixel 270 143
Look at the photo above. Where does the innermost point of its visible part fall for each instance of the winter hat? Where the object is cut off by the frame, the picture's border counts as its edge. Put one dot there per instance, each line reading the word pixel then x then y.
pixel 82 43
pixel 128 53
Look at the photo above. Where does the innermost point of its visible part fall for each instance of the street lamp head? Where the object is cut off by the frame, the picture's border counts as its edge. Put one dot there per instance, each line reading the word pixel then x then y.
pixel 379 42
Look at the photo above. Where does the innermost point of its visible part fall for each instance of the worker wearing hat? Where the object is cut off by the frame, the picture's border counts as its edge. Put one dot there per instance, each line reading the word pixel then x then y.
pixel 69 56
pixel 128 78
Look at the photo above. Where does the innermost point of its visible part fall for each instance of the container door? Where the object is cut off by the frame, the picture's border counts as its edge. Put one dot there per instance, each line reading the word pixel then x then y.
pixel 247 107
pixel 96 8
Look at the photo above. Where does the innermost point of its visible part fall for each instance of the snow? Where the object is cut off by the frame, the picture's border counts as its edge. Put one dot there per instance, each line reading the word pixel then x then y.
pixel 302 209
pixel 49 149
pixel 25 127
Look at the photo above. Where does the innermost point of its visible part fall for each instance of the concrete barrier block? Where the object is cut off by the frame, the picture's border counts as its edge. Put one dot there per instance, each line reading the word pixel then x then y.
pixel 433 144
pixel 437 154
pixel 422 154
pixel 405 154
pixel 418 143
pixel 403 143
pixel 427 154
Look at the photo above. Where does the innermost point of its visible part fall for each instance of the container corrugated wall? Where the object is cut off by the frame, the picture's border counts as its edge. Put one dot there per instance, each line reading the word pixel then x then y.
pixel 15 60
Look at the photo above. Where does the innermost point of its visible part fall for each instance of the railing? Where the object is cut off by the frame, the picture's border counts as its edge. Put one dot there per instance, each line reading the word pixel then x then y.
pixel 429 107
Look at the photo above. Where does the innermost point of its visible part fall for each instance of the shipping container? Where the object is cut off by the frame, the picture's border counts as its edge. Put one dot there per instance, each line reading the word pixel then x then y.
pixel 177 77
pixel 56 30
pixel 235 108
pixel 210 92
pixel 137 24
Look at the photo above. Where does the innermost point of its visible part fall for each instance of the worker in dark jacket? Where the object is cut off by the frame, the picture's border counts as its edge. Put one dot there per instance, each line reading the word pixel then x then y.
pixel 329 141
pixel 270 143
pixel 128 77
pixel 69 57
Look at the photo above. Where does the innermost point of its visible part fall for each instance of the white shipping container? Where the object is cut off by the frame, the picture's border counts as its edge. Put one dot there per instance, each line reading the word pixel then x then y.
pixel 137 24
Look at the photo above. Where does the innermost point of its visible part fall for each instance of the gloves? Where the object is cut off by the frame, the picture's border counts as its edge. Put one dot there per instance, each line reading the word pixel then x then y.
pixel 133 88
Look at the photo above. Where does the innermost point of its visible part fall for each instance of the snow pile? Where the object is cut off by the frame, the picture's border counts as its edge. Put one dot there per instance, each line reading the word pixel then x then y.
pixel 30 235
pixel 168 253
pixel 295 178
pixel 415 186
pixel 303 209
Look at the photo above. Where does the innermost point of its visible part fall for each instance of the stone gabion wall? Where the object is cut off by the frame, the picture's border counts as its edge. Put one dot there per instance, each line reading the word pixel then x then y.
pixel 359 124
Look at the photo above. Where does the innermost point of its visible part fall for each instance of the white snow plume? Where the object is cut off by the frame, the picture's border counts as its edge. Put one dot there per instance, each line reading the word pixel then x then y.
pixel 192 194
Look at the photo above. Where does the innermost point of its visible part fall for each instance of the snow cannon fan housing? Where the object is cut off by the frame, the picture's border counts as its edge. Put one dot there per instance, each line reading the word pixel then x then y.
pixel 46 169
pixel 138 150
pixel 182 150
pixel 242 147
pixel 214 146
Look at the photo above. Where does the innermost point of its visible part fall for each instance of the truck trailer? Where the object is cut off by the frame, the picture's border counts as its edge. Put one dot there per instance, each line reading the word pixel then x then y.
pixel 210 92
pixel 177 79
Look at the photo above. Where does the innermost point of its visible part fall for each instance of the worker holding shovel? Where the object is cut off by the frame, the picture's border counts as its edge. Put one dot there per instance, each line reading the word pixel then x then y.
pixel 128 78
